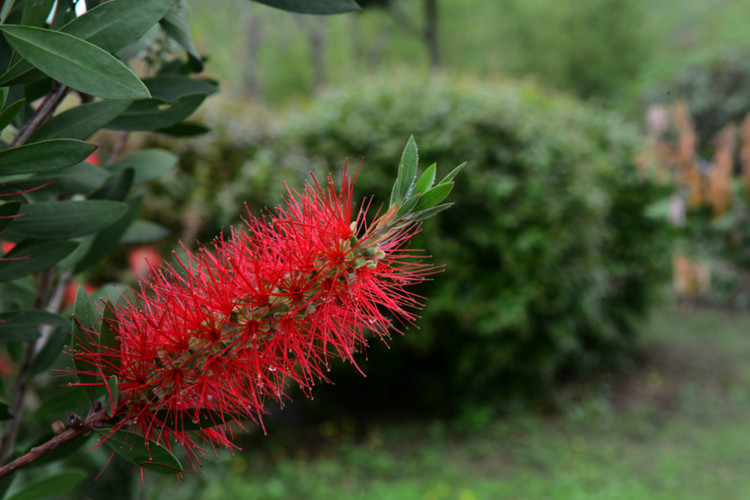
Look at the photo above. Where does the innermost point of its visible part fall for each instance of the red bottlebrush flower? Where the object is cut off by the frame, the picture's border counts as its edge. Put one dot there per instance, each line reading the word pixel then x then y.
pixel 209 341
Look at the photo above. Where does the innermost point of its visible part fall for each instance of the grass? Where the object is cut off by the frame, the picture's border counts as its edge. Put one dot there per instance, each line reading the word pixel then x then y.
pixel 674 426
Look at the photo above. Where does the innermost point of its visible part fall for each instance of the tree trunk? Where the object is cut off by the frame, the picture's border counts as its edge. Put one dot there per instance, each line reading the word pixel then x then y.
pixel 251 85
pixel 431 32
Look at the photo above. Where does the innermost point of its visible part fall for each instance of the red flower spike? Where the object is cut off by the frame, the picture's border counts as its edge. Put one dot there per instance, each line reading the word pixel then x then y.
pixel 209 341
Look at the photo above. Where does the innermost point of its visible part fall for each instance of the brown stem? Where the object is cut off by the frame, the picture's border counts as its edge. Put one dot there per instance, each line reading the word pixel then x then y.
pixel 119 147
pixel 44 111
pixel 78 428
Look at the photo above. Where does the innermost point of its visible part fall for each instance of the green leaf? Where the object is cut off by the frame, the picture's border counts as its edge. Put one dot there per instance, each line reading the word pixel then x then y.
pixel 23 326
pixel 85 320
pixel 7 115
pixel 452 175
pixel 134 448
pixel 434 196
pixel 7 211
pixel 116 188
pixel 408 206
pixel 177 27
pixel 407 172
pixel 185 129
pixel 5 411
pixel 150 114
pixel 58 404
pixel 6 481
pixel 113 25
pixel 143 231
pixel 52 349
pixel 108 330
pixel 148 164
pixel 170 87
pixel 51 486
pixel 426 180
pixel 43 156
pixel 35 12
pixel 66 219
pixel 80 122
pixel 110 236
pixel 33 258
pixel 321 7
pixel 76 63
pixel 426 214
pixel 7 7
pixel 112 398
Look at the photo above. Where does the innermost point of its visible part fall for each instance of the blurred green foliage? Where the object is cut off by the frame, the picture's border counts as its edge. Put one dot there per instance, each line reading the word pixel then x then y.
pixel 550 258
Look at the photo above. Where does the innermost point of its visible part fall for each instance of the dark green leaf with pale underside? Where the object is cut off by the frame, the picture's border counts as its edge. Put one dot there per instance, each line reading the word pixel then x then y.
pixel 76 63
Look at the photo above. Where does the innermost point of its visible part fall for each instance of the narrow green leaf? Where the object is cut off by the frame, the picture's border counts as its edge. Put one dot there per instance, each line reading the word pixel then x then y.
pixel 150 115
pixel 112 398
pixel 426 214
pixel 143 231
pixel 43 156
pixel 76 63
pixel 149 164
pixel 108 328
pixel 407 172
pixel 83 178
pixel 434 196
pixel 5 411
pixel 110 236
pixel 80 122
pixel 134 448
pixel 35 12
pixel 426 180
pixel 85 320
pixel 320 7
pixel 170 87
pixel 177 27
pixel 7 211
pixel 185 129
pixel 9 113
pixel 33 258
pixel 66 219
pixel 112 25
pixel 24 325
pixel 7 6
pixel 452 174
pixel 58 404
pixel 6 481
pixel 51 486
pixel 408 206
pixel 52 349
pixel 116 188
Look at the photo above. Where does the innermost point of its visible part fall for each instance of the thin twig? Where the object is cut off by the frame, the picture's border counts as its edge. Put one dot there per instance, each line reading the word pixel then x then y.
pixel 78 428
pixel 119 147
pixel 42 113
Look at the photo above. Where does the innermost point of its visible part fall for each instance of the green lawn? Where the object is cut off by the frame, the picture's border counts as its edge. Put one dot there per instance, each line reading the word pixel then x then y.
pixel 675 426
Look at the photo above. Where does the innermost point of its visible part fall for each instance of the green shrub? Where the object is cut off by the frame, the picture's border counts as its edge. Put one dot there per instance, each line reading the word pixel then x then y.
pixel 549 258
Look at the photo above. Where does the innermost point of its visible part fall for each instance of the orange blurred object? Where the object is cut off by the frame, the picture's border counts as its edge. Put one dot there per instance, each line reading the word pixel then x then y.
pixel 142 259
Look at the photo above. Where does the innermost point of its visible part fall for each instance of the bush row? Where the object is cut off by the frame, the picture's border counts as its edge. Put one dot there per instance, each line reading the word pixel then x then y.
pixel 549 257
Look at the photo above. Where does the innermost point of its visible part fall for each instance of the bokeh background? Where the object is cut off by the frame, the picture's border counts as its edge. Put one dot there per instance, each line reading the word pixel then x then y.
pixel 589 335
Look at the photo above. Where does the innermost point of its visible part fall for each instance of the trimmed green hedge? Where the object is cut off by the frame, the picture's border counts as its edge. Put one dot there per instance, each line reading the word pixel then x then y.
pixel 549 257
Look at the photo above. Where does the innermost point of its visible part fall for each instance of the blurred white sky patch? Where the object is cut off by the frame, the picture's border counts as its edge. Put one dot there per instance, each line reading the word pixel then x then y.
pixel 80 7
